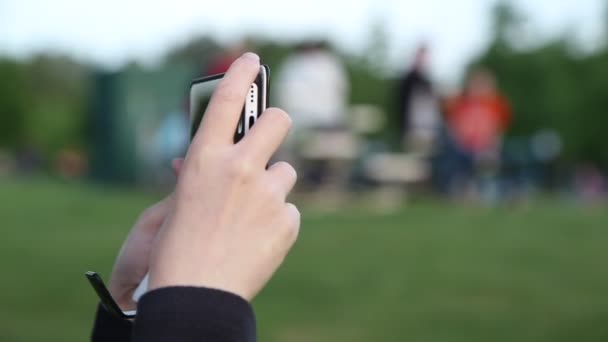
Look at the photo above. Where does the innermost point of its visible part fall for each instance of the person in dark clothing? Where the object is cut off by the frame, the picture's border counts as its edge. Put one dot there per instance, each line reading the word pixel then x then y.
pixel 213 245
pixel 418 115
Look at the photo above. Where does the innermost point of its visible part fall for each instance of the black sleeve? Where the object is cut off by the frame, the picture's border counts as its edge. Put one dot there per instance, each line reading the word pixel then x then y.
pixel 404 97
pixel 109 328
pixel 193 314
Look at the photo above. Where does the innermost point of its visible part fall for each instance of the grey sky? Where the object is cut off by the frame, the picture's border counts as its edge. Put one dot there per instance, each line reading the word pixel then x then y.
pixel 112 31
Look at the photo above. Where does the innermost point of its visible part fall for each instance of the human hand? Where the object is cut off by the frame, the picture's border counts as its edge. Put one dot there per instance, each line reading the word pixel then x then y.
pixel 134 257
pixel 231 227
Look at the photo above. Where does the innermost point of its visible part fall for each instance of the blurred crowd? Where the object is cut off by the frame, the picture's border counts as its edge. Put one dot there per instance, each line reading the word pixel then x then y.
pixel 452 145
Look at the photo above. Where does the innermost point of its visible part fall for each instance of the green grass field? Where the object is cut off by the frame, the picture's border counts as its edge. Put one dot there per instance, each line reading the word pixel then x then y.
pixel 431 272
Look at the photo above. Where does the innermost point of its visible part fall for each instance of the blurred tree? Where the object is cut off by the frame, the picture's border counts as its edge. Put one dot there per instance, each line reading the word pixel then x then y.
pixel 196 52
pixel 369 76
pixel 376 52
pixel 13 104
pixel 550 87
pixel 56 90
pixel 506 21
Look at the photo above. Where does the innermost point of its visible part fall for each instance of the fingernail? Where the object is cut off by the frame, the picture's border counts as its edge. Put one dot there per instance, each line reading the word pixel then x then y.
pixel 252 57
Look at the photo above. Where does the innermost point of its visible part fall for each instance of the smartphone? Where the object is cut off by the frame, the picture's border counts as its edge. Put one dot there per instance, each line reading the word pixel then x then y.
pixel 201 90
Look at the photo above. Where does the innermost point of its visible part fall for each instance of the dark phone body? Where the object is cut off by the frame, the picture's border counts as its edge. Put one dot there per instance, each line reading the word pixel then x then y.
pixel 199 101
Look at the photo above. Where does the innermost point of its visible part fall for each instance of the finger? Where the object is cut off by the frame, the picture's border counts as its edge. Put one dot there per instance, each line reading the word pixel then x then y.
pixel 294 213
pixel 154 216
pixel 176 165
pixel 284 175
pixel 266 136
pixel 295 221
pixel 224 109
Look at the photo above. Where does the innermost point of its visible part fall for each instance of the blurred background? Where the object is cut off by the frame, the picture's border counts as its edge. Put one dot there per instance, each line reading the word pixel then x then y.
pixel 452 158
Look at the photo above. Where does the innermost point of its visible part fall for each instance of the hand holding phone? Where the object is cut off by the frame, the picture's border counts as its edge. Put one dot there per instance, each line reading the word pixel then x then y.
pixel 231 226
pixel 201 91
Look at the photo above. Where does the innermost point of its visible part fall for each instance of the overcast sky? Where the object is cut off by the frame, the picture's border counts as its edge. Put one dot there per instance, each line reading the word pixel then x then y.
pixel 112 31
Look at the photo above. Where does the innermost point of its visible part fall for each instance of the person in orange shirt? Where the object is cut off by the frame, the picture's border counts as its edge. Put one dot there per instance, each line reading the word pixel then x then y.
pixel 476 120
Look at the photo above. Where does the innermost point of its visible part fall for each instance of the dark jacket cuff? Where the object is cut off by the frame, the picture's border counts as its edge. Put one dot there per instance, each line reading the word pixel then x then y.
pixel 194 314
pixel 108 327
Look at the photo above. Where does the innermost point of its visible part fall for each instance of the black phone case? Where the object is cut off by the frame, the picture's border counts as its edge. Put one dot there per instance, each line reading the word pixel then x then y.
pixel 263 94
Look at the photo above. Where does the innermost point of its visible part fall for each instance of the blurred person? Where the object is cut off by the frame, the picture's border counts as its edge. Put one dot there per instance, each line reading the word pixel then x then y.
pixel 170 139
pixel 70 163
pixel 7 163
pixel 29 159
pixel 212 245
pixel 589 183
pixel 477 120
pixel 313 87
pixel 418 114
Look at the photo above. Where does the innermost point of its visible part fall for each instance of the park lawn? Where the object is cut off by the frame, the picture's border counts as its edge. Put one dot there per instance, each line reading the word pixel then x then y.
pixel 429 272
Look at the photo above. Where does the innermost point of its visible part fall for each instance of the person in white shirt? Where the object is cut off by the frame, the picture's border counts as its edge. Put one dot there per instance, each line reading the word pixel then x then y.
pixel 313 87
